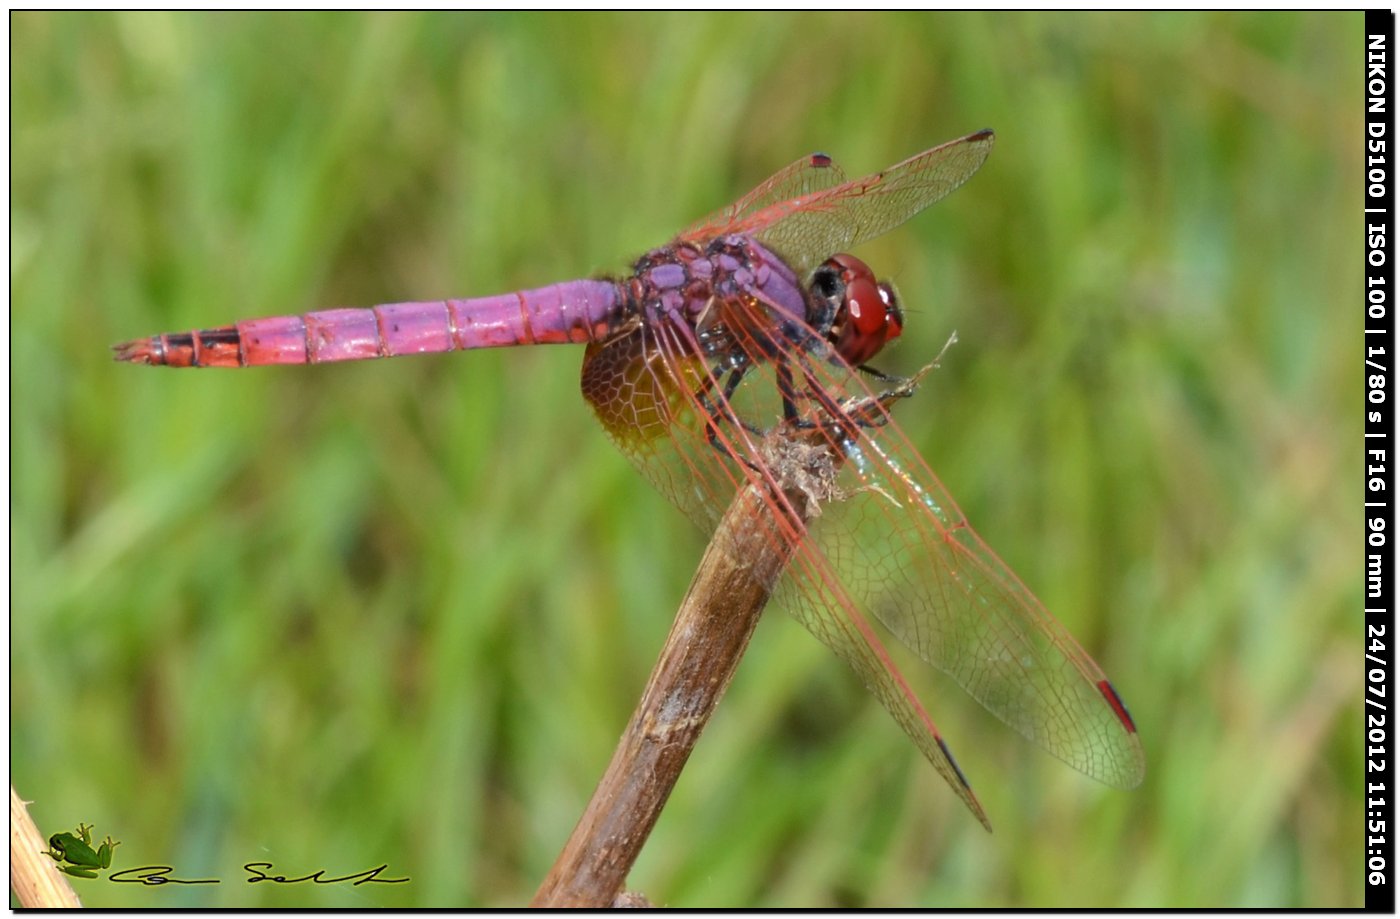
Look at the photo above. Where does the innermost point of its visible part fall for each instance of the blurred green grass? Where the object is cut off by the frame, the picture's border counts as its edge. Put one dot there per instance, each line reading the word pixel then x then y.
pixel 400 611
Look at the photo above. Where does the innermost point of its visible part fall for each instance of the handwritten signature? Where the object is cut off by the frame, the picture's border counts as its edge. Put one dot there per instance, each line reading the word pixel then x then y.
pixel 159 875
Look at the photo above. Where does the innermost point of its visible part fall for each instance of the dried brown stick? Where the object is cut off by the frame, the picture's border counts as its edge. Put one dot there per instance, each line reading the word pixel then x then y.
pixel 711 631
pixel 34 879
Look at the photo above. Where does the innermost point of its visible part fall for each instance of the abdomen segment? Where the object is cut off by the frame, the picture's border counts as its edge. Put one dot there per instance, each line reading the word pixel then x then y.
pixel 575 311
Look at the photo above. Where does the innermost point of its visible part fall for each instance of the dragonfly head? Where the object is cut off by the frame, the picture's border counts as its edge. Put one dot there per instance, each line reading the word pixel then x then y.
pixel 863 314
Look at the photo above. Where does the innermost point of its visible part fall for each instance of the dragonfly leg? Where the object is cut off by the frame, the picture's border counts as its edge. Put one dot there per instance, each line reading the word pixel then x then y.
pixel 846 419
pixel 725 410
pixel 788 391
pixel 736 376
pixel 880 375
pixel 862 409
pixel 838 417
pixel 842 421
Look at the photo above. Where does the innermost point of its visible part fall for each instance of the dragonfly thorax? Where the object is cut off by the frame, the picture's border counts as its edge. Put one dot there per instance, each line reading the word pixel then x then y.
pixel 729 288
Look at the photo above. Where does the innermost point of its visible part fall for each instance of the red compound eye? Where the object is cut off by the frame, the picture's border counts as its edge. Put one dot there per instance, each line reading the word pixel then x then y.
pixel 894 316
pixel 869 316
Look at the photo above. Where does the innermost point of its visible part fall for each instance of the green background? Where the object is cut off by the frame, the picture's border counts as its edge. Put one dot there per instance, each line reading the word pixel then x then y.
pixel 399 611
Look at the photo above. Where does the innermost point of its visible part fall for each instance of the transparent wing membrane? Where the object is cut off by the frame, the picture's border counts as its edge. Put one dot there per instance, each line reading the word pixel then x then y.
pixel 831 218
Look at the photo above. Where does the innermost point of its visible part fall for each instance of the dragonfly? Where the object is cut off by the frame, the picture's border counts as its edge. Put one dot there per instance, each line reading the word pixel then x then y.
pixel 755 322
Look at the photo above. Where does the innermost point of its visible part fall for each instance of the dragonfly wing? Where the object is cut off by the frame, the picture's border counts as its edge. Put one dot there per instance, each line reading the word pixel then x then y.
pixel 892 544
pixel 642 386
pixel 808 229
pixel 810 174
pixel 906 554
pixel 816 596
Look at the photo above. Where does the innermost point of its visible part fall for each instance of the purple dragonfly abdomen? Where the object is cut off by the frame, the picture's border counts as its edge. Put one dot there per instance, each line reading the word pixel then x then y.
pixel 574 312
